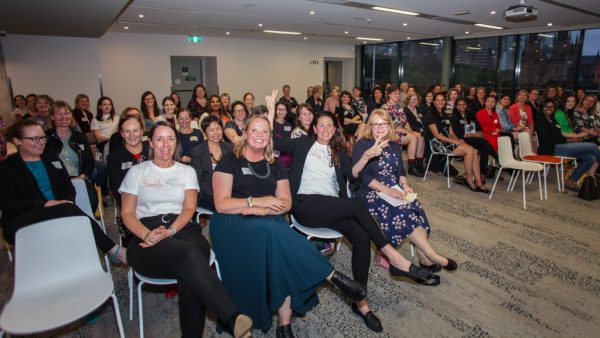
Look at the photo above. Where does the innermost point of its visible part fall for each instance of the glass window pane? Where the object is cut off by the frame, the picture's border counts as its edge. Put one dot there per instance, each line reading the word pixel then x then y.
pixel 475 62
pixel 506 69
pixel 386 63
pixel 548 58
pixel 368 61
pixel 422 62
pixel 589 66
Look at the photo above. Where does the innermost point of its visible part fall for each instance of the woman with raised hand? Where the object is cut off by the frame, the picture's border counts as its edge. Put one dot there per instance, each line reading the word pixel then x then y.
pixel 383 175
pixel 36 187
pixel 206 156
pixel 158 201
pixel 318 177
pixel 265 265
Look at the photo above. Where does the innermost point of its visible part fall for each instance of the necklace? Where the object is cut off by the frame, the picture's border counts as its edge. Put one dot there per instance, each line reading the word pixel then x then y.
pixel 260 177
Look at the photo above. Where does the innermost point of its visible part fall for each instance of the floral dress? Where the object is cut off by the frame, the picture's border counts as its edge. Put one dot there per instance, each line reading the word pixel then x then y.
pixel 398 116
pixel 395 222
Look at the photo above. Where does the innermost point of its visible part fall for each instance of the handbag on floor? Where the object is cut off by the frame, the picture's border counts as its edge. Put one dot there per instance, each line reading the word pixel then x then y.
pixel 590 188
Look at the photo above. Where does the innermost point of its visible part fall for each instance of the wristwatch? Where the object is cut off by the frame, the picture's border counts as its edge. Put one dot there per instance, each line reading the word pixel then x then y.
pixel 250 203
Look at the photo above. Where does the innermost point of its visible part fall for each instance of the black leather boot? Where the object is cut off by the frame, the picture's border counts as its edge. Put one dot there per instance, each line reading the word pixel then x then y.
pixel 284 331
pixel 352 289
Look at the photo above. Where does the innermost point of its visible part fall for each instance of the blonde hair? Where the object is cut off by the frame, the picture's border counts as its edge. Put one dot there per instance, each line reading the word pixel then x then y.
pixel 384 115
pixel 55 106
pixel 240 147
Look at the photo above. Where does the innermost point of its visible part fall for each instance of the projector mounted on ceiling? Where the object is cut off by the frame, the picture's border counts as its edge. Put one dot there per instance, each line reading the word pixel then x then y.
pixel 520 13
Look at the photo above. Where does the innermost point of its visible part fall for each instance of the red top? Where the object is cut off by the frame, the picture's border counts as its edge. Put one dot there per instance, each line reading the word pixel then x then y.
pixel 514 114
pixel 490 126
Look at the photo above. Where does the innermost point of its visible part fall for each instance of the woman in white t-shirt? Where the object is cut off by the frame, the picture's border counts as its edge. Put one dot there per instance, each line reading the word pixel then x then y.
pixel 105 122
pixel 158 201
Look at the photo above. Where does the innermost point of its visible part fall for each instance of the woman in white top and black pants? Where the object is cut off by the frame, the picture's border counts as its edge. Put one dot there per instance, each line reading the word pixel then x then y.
pixel 158 200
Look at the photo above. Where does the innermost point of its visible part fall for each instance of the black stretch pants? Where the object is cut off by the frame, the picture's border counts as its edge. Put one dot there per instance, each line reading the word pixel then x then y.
pixel 184 257
pixel 350 217
pixel 485 149
pixel 103 242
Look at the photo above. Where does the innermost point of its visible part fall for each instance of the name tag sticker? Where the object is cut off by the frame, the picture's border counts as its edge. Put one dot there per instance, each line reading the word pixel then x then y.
pixel 287 128
pixel 83 118
pixel 144 138
pixel 194 138
pixel 463 121
pixel 246 171
pixel 447 121
pixel 126 165
pixel 81 146
pixel 57 164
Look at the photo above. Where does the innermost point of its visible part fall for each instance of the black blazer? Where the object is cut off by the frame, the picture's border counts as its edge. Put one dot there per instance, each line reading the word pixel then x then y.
pixel 119 162
pixel 415 124
pixel 20 191
pixel 79 143
pixel 202 163
pixel 300 148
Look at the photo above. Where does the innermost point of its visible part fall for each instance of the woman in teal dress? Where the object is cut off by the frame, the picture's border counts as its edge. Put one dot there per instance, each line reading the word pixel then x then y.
pixel 265 265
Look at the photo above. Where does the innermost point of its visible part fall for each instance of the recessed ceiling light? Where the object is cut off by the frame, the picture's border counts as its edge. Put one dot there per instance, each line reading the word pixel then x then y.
pixel 493 12
pixel 282 32
pixel 311 12
pixel 369 39
pixel 429 44
pixel 467 32
pixel 364 42
pixel 126 27
pixel 488 26
pixel 408 38
pixel 227 33
pixel 405 24
pixel 260 25
pixel 141 16
pixel 392 10
pixel 549 23
pixel 346 32
pixel 305 38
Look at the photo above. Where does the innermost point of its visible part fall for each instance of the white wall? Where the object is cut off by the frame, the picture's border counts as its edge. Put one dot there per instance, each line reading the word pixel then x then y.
pixel 61 67
pixel 133 63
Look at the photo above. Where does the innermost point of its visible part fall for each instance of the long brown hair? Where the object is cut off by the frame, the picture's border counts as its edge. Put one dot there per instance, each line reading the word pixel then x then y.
pixel 337 141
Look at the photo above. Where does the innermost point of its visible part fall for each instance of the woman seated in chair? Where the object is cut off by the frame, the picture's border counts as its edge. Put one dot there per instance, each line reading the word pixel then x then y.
pixel 158 200
pixel 439 130
pixel 36 187
pixel 385 174
pixel 206 156
pixel 349 118
pixel 189 137
pixel 318 179
pixel 414 116
pixel 555 142
pixel 303 120
pixel 233 129
pixel 414 141
pixel 71 146
pixel 265 265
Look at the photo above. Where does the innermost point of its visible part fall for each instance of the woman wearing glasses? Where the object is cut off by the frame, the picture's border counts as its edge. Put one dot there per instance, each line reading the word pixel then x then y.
pixel 36 187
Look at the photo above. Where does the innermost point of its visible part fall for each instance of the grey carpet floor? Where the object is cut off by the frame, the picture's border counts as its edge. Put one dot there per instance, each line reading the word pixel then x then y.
pixel 522 273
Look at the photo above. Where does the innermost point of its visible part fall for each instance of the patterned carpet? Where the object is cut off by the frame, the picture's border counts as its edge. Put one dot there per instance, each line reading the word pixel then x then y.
pixel 522 273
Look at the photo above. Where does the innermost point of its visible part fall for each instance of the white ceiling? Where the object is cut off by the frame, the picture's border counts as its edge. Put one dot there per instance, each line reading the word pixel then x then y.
pixel 332 18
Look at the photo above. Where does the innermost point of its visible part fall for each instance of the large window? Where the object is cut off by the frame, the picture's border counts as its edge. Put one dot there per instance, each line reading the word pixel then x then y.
pixel 506 66
pixel 589 66
pixel 380 65
pixel 422 63
pixel 548 58
pixel 475 62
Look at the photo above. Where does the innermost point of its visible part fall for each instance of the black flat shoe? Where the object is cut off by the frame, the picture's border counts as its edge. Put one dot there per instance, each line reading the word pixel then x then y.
pixel 481 188
pixel 414 172
pixel 284 331
pixel 352 289
pixel 451 266
pixel 433 267
pixel 431 280
pixel 414 272
pixel 473 187
pixel 369 318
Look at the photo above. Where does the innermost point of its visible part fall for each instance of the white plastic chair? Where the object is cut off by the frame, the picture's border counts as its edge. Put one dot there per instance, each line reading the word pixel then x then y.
pixel 546 160
pixel 201 211
pixel 56 284
pixel 507 160
pixel 439 148
pixel 323 233
pixel 155 281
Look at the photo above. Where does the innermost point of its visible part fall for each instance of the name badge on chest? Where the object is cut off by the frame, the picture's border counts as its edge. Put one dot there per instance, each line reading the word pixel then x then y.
pixel 194 138
pixel 287 128
pixel 126 165
pixel 246 171
pixel 81 146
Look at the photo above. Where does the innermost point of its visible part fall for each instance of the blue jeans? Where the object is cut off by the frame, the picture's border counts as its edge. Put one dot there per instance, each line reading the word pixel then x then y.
pixel 586 153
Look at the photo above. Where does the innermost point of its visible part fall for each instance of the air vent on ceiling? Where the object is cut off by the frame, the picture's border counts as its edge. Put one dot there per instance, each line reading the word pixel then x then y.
pixel 461 12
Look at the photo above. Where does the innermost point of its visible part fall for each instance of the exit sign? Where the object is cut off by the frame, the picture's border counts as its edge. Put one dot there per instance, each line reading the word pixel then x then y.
pixel 194 39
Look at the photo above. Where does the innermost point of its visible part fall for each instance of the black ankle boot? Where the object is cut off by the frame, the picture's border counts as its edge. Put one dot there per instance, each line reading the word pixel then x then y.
pixel 351 289
pixel 284 331
pixel 412 170
pixel 420 166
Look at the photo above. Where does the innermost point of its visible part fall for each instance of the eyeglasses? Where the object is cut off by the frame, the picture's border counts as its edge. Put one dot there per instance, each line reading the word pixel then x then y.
pixel 380 125
pixel 36 139
pixel 239 111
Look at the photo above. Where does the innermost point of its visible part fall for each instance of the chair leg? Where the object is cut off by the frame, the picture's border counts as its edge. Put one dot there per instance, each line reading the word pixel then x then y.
pixel 514 181
pixel 512 177
pixel 118 315
pixel 448 170
pixel 427 169
pixel 524 198
pixel 495 182
pixel 545 182
pixel 130 282
pixel 557 178
pixel 140 308
pixel 540 184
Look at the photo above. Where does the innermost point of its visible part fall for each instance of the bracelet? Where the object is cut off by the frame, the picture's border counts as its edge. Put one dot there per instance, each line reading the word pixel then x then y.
pixel 174 231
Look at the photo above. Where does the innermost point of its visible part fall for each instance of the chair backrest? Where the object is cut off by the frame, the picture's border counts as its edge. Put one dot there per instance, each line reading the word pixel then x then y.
pixel 525 145
pixel 438 147
pixel 505 151
pixel 82 200
pixel 52 252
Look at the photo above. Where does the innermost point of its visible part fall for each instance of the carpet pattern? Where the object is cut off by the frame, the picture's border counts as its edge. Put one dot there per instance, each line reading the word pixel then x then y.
pixel 522 273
